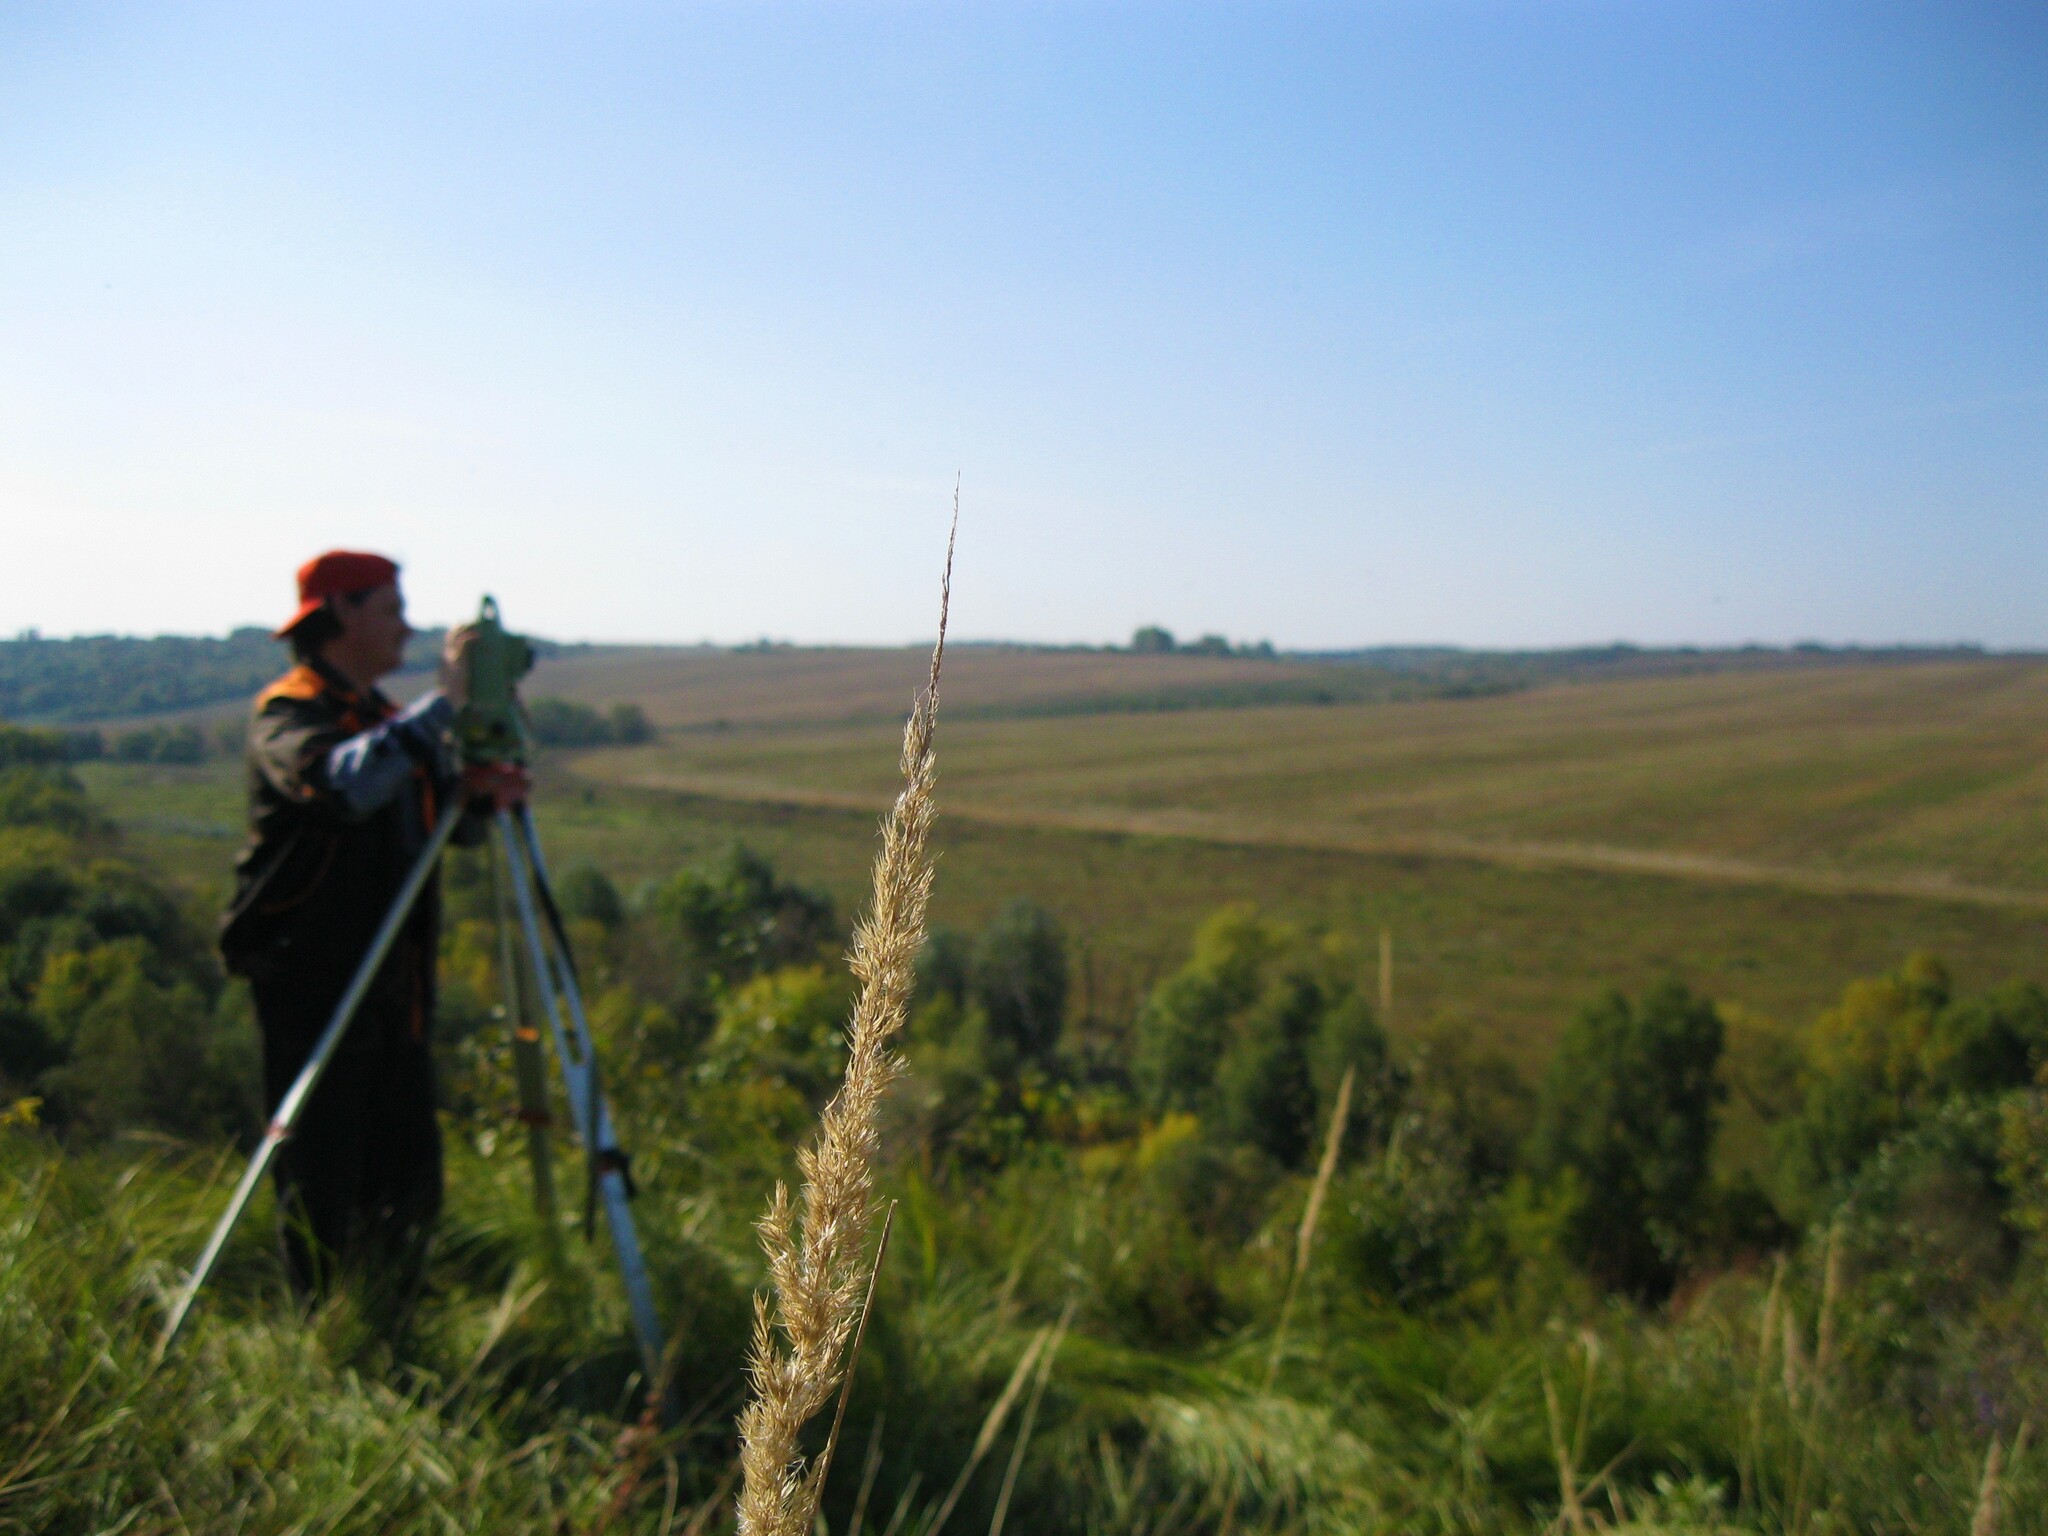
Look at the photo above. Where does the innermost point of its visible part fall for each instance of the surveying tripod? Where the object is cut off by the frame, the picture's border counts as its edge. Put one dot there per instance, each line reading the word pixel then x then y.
pixel 491 729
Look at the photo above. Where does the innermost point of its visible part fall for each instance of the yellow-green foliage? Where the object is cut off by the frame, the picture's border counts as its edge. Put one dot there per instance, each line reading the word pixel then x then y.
pixel 108 991
pixel 1897 1048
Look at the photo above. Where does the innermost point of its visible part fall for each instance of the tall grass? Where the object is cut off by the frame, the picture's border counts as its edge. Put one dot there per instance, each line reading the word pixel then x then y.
pixel 490 1420
pixel 814 1260
pixel 267 1423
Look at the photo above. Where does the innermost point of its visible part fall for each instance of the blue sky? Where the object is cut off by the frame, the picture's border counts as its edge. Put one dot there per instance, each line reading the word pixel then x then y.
pixel 1496 324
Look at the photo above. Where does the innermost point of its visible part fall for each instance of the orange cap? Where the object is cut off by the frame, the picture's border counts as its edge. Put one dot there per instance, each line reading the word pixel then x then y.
pixel 336 574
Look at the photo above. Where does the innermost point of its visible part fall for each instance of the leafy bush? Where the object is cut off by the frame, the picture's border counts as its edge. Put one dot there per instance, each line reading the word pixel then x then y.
pixel 22 746
pixel 1187 1022
pixel 40 797
pixel 1255 1033
pixel 1628 1108
pixel 711 928
pixel 787 1026
pixel 1894 1051
pixel 566 723
pixel 1018 979
pixel 1401 1224
pixel 160 744
pixel 110 1000
pixel 1864 1071
pixel 585 891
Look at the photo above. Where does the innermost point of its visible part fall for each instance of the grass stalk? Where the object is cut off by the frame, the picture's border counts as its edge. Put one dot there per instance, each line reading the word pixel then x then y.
pixel 1748 1465
pixel 1045 1359
pixel 991 1426
pixel 870 1465
pixel 903 1503
pixel 1990 1490
pixel 1984 1519
pixel 823 1469
pixel 1791 1363
pixel 1304 1243
pixel 1830 1295
pixel 814 1255
pixel 1570 1514
pixel 1326 1170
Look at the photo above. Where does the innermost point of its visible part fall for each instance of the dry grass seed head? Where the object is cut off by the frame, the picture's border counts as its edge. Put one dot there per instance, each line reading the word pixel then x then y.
pixel 815 1276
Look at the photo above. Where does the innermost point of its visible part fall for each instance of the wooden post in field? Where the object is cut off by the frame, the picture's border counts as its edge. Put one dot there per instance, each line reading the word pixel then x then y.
pixel 1386 975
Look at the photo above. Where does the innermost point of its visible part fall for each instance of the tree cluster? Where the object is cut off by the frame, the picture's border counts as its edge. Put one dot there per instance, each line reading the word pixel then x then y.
pixel 565 723
pixel 1152 640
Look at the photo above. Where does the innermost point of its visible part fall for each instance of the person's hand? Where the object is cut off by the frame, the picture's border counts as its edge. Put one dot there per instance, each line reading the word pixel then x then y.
pixel 496 786
pixel 455 664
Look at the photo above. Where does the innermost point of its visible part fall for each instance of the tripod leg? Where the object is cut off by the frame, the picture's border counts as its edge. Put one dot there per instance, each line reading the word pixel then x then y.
pixel 571 991
pixel 559 998
pixel 294 1101
pixel 529 1070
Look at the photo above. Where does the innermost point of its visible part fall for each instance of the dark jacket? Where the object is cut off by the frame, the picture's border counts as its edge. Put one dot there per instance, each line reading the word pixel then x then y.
pixel 344 788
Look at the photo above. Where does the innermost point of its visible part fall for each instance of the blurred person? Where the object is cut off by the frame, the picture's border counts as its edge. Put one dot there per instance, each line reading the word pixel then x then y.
pixel 345 788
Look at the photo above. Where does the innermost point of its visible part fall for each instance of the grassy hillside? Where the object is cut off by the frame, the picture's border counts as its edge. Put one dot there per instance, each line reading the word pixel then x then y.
pixel 1860 1284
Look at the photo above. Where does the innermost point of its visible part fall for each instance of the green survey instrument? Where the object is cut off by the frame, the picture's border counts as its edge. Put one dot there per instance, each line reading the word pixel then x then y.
pixel 492 725
pixel 543 996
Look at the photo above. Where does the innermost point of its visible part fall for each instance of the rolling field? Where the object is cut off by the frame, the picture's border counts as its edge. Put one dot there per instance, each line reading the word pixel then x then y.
pixel 1766 836
pixel 702 686
pixel 1928 780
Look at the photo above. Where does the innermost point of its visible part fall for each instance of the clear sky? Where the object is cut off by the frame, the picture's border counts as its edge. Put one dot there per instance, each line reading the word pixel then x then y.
pixel 1500 324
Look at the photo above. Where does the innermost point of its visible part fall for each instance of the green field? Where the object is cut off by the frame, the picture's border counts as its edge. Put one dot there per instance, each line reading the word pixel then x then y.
pixel 1766 835
pixel 1928 779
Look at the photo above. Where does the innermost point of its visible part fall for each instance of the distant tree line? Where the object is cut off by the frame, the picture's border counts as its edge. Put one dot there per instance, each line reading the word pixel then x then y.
pixel 555 722
pixel 103 677
pixel 1152 640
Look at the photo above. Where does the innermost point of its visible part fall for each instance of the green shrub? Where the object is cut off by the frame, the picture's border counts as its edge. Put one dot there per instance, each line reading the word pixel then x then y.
pixel 1400 1224
pixel 1893 1052
pixel 586 892
pixel 788 1026
pixel 736 917
pixel 1263 1093
pixel 1864 1070
pixel 566 723
pixel 1628 1108
pixel 1255 1034
pixel 44 797
pixel 1988 1044
pixel 160 744
pixel 1018 979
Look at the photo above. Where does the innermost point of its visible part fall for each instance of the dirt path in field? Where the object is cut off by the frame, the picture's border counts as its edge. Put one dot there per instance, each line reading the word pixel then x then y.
pixel 1336 838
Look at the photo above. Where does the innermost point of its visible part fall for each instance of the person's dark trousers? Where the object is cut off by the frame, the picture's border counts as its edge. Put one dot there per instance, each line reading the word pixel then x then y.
pixel 359 1179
